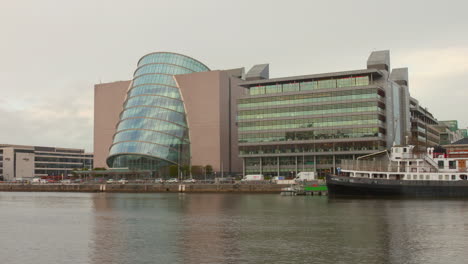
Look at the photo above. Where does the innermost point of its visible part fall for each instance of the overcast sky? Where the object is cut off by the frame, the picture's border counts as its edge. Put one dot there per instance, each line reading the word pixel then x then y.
pixel 52 52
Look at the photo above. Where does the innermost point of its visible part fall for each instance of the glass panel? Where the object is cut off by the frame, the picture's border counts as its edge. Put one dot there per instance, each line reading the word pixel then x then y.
pixel 275 88
pixel 346 82
pixel 290 87
pixel 307 86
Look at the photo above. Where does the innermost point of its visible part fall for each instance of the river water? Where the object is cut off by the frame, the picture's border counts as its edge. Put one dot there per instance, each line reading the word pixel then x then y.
pixel 228 228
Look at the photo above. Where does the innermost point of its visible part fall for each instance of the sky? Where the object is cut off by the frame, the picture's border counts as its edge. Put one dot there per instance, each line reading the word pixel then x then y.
pixel 52 52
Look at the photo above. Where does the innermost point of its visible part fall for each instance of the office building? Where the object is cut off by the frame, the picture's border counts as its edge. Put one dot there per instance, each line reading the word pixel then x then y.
pixel 312 122
pixel 26 162
pixel 424 127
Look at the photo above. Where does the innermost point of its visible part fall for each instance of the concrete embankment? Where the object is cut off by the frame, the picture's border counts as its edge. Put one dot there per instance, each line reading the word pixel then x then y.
pixel 145 188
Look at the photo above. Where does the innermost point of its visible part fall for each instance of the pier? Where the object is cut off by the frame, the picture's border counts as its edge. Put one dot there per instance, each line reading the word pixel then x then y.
pixel 295 190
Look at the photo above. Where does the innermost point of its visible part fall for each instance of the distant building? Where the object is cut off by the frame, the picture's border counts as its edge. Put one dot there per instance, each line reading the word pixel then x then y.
pixel 451 124
pixel 464 132
pixel 26 162
pixel 449 132
pixel 424 131
pixel 458 149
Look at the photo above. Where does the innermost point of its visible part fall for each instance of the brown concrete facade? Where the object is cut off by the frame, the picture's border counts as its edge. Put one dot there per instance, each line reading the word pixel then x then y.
pixel 210 104
pixel 108 104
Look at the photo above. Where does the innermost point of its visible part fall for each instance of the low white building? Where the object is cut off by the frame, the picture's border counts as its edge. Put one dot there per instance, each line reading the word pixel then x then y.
pixel 18 162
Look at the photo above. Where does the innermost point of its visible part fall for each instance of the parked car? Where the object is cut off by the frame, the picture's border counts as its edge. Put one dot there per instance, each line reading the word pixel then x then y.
pixel 158 180
pixel 123 181
pixel 172 180
pixel 110 181
pixel 67 181
pixel 190 181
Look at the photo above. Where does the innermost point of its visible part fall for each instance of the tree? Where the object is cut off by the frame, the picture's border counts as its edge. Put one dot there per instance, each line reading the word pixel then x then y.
pixel 186 170
pixel 99 169
pixel 208 169
pixel 173 169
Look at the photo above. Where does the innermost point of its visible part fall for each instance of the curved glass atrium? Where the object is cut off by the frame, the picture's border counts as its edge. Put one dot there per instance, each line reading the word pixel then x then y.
pixel 152 133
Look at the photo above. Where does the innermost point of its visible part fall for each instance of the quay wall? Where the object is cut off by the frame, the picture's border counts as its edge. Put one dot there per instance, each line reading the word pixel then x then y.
pixel 145 188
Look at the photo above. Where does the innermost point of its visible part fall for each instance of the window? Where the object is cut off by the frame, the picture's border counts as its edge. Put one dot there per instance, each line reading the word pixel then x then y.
pixel 290 87
pixel 453 177
pixel 452 164
pixel 275 88
pixel 440 164
pixel 257 90
pixel 306 86
pixel 326 84
pixel 346 82
pixel 362 81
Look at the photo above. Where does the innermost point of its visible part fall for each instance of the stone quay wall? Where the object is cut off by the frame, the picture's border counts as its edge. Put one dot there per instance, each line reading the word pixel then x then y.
pixel 145 188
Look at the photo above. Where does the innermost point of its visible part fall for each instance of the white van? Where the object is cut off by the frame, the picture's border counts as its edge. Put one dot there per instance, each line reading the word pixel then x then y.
pixel 253 177
pixel 305 176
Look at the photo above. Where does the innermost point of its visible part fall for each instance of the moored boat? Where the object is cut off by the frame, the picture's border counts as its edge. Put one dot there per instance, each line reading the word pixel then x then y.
pixel 401 172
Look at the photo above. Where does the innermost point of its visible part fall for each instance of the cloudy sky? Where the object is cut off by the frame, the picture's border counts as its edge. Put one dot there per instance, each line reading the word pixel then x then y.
pixel 52 52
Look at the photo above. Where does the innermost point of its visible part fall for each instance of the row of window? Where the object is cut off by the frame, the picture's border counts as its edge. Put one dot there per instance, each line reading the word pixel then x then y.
pixel 312 148
pixel 154 78
pixel 311 122
pixel 159 101
pixel 309 110
pixel 173 59
pixel 145 148
pixel 155 112
pixel 62 154
pixel 64 166
pixel 161 68
pixel 293 161
pixel 310 135
pixel 153 124
pixel 138 162
pixel 163 90
pixel 310 85
pixel 306 108
pixel 149 136
pixel 428 177
pixel 309 98
pixel 57 159
pixel 452 164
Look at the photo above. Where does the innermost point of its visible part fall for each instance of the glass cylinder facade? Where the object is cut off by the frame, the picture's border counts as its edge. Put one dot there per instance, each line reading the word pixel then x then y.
pixel 153 133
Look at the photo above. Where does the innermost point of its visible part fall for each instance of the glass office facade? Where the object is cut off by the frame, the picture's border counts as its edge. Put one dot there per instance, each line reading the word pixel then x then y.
pixel 152 133
pixel 309 125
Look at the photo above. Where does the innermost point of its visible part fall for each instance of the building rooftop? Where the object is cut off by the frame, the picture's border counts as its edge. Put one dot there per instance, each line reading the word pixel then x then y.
pixel 311 77
pixel 463 141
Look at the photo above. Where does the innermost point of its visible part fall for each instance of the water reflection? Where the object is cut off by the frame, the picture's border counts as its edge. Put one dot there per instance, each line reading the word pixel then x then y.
pixel 228 228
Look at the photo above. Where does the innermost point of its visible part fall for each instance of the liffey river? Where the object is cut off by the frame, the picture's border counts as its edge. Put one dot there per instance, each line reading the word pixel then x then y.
pixel 228 228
